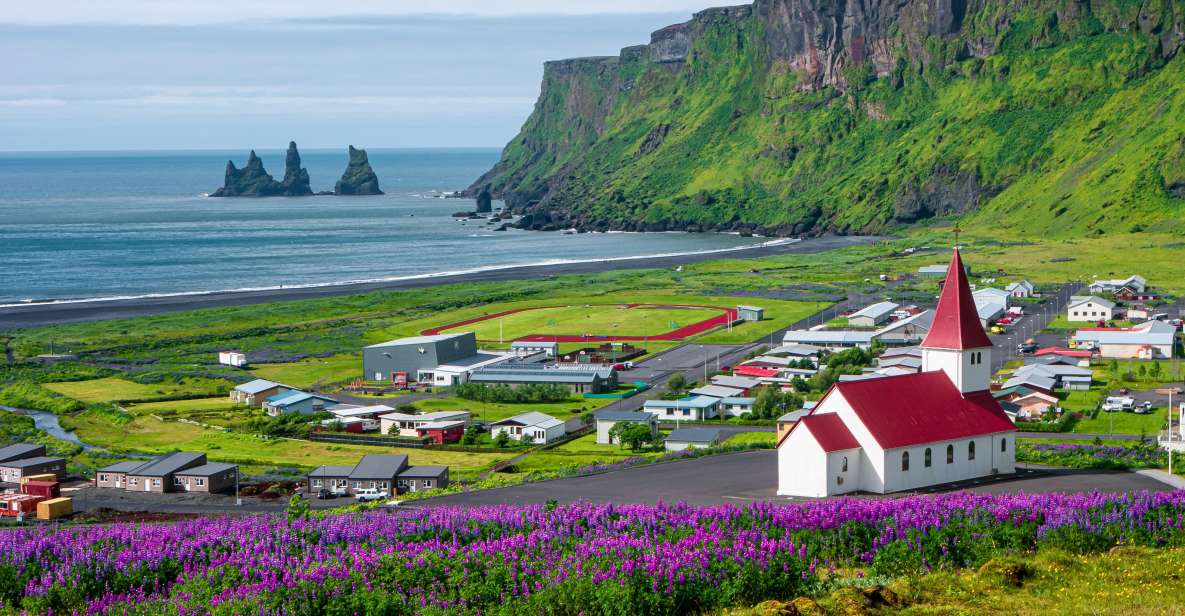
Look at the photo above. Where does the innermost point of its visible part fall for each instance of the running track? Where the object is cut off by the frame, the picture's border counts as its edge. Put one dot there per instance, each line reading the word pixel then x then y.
pixel 726 316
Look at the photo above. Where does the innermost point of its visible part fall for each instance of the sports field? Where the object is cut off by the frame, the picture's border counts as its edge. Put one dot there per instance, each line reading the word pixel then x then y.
pixel 574 323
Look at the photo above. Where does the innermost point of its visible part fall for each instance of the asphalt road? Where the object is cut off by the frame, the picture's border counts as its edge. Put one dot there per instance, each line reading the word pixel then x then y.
pixel 1031 325
pixel 36 315
pixel 746 477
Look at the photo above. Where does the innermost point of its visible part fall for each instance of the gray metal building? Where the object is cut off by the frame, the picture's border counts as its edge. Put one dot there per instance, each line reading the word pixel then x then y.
pixel 415 355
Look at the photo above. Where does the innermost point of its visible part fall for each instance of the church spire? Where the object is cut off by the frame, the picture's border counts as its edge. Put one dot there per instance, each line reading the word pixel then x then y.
pixel 956 323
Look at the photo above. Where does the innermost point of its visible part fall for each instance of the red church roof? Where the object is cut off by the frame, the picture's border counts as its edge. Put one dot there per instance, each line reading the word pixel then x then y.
pixel 956 323
pixel 912 409
pixel 829 431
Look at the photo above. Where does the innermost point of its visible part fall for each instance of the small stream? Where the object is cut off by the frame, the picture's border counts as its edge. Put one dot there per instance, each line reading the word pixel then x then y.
pixel 48 422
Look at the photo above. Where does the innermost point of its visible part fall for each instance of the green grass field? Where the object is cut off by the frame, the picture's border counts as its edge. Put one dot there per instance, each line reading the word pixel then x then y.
pixel 580 319
pixel 113 389
pixel 744 438
pixel 318 371
pixel 583 451
pixel 185 406
pixel 494 411
pixel 1123 423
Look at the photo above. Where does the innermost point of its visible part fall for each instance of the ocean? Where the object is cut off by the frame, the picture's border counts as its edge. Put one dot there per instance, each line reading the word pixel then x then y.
pixel 133 224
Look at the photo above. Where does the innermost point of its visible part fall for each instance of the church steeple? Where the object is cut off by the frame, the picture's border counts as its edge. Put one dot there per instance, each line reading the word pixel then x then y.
pixel 956 342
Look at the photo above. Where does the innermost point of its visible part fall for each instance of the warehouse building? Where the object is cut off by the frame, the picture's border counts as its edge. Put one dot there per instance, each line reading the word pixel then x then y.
pixel 180 471
pixel 441 360
pixel 578 380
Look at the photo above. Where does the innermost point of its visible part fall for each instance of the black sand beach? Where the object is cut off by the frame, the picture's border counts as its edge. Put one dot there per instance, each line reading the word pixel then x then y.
pixel 36 315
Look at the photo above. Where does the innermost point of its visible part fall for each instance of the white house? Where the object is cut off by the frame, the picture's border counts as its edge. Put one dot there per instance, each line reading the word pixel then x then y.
pixel 238 359
pixel 540 428
pixel 717 391
pixel 1148 340
pixel 692 438
pixel 737 406
pixel 1021 289
pixel 526 348
pixel 405 424
pixel 1089 308
pixel 607 419
pixel 696 408
pixel 1136 283
pixel 872 315
pixel 910 431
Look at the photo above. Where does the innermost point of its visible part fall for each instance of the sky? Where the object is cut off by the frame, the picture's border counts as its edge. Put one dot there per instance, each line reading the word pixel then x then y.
pixel 217 74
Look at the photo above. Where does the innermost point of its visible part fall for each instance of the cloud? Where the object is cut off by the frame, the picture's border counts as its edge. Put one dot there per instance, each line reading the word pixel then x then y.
pixel 206 12
pixel 31 102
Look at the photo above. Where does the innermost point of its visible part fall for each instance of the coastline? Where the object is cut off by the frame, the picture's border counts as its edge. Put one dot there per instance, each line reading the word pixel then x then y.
pixel 38 314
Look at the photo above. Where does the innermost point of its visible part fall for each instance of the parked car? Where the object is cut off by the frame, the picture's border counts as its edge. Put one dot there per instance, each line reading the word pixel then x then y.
pixel 325 494
pixel 371 494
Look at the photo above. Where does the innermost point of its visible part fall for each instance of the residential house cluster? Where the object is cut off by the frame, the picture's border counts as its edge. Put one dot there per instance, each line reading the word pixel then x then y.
pixel 277 398
pixel 382 472
pixel 893 326
pixel 180 471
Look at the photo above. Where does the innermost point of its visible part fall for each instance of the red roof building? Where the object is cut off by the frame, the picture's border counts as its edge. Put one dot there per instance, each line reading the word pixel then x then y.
pixel 939 426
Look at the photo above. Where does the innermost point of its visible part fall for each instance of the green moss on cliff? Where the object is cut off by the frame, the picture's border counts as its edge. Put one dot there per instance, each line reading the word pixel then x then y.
pixel 1074 123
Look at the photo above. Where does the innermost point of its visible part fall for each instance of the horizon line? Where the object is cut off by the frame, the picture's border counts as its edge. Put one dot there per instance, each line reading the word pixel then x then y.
pixel 247 149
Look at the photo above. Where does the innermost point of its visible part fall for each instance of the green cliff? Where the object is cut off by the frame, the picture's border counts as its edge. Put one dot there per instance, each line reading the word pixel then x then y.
pixel 797 117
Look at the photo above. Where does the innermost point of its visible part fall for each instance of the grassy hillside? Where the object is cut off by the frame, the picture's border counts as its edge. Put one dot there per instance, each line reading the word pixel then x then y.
pixel 1050 117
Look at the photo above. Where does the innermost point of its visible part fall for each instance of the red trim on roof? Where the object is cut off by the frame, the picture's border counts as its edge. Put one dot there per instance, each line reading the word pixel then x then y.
pixel 830 432
pixel 754 371
pixel 1063 352
pixel 956 323
pixel 912 409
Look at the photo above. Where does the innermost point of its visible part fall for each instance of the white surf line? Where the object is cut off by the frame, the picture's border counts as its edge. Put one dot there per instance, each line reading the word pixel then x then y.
pixel 462 272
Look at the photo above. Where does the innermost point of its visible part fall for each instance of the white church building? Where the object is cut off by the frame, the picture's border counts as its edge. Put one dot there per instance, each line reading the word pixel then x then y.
pixel 906 432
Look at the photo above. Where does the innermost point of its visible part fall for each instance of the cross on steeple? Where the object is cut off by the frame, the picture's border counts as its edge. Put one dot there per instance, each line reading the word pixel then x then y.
pixel 957 231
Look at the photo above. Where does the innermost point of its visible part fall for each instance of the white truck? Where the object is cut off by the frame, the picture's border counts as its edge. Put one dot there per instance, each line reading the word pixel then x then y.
pixel 1118 403
pixel 371 494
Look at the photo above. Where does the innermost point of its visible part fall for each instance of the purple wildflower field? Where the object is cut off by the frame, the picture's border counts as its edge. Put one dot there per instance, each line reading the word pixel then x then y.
pixel 577 559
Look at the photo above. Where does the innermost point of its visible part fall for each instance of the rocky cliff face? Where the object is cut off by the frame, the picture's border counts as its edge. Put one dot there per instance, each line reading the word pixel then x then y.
pixel 358 178
pixel 804 116
pixel 254 181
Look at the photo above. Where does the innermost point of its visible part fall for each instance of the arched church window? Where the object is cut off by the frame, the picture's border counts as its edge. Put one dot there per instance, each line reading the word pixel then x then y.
pixel 927 462
pixel 950 454
pixel 971 450
pixel 904 461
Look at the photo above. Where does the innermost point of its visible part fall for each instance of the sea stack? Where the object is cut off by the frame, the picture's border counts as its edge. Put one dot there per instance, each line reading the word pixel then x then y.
pixel 254 181
pixel 359 178
pixel 485 201
pixel 296 178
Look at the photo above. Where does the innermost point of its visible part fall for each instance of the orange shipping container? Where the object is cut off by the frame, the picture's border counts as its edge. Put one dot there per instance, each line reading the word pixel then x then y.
pixel 55 508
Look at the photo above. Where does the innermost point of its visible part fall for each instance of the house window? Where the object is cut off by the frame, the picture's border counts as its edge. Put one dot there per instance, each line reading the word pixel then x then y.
pixel 316 483
pixel 383 485
pixel 971 450
pixel 427 483
pixel 156 482
pixel 845 464
pixel 176 481
pixel 904 461
pixel 1003 444
pixel 357 485
pixel 102 477
pixel 201 482
pixel 927 460
pixel 950 454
